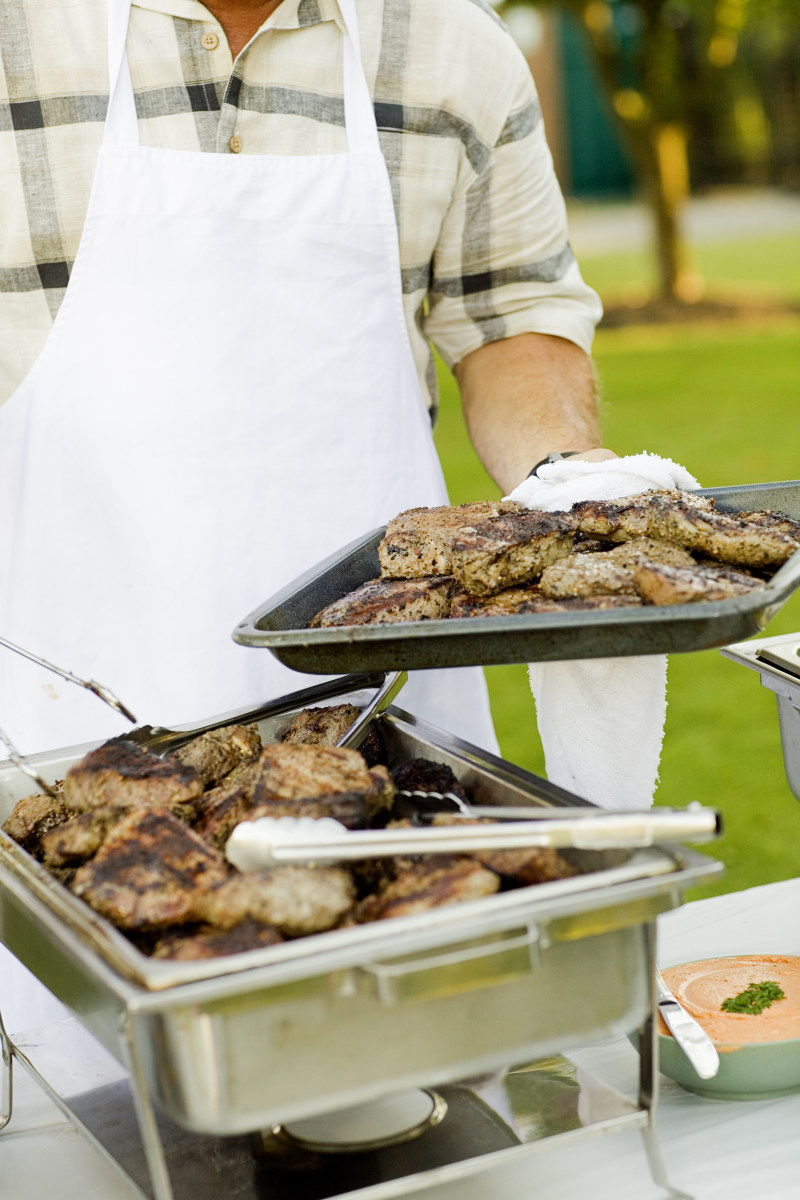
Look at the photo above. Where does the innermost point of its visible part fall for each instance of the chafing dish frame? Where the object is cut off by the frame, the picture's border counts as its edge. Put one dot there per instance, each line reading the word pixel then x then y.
pixel 219 1047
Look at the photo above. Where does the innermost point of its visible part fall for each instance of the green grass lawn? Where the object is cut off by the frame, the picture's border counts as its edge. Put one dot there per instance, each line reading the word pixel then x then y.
pixel 723 401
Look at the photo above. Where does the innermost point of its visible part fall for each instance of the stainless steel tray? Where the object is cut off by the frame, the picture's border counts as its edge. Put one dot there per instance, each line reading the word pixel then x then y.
pixel 280 624
pixel 241 1042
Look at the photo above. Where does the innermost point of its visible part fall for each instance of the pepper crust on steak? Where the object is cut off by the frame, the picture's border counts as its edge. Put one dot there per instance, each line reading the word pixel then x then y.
pixel 387 601
pixel 418 542
pixel 509 550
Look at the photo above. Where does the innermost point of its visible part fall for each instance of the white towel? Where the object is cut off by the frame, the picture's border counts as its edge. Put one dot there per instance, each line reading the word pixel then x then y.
pixel 601 720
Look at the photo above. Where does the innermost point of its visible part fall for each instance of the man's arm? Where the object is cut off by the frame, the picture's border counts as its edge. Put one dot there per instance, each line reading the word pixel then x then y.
pixel 526 396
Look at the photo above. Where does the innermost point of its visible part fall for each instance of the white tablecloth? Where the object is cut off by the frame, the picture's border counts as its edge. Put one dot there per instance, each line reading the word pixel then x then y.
pixel 713 1150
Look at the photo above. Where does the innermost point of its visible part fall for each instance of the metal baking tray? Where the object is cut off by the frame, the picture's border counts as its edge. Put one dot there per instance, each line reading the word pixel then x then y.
pixel 280 624
pixel 238 1043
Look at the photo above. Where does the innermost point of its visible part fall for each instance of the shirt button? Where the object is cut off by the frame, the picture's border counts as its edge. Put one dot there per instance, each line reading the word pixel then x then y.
pixel 209 41
pixel 235 144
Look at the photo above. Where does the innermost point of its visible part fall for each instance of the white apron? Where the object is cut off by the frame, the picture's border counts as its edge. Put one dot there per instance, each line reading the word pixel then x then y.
pixel 227 395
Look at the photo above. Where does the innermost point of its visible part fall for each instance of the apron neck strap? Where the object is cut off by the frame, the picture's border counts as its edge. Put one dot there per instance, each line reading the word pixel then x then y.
pixel 121 124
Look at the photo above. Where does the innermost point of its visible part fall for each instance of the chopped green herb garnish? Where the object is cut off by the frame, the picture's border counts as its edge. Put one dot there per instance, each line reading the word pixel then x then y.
pixel 754 999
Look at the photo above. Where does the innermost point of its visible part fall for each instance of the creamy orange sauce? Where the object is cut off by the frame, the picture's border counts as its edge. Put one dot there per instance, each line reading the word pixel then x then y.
pixel 702 986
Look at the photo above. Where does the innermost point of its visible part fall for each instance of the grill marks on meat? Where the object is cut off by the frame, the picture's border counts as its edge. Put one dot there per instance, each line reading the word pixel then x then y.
pixel 335 777
pixel 418 542
pixel 150 871
pixel 387 601
pixel 658 583
pixel 419 886
pixel 510 549
pixel 321 726
pixel 123 775
pixel 78 839
pixel 208 942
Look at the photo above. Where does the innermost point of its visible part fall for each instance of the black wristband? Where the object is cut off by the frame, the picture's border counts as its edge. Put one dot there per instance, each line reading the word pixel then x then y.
pixel 554 456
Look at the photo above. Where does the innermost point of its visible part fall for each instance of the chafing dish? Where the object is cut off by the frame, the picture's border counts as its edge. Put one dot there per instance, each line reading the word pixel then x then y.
pixel 283 1033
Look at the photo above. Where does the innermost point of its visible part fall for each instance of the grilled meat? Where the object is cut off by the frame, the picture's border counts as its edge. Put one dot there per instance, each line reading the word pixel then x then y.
pixel 336 778
pixel 436 880
pixel 32 817
pixel 75 841
pixel 768 518
pixel 658 583
pixel 209 942
pixel 214 754
pixel 417 542
pixel 508 550
pixel 689 521
pixel 387 601
pixel 125 775
pixel 423 775
pixel 520 600
pixel 150 871
pixel 324 727
pixel 221 808
pixel 295 900
pixel 608 572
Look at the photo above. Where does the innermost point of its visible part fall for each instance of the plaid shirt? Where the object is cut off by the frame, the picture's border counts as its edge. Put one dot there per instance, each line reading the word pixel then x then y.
pixel 482 227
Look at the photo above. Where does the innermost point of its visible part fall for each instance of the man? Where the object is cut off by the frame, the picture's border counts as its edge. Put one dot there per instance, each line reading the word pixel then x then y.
pixel 220 294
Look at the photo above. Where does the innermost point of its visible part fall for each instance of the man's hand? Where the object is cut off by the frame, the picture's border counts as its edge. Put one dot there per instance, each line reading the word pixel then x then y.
pixel 525 397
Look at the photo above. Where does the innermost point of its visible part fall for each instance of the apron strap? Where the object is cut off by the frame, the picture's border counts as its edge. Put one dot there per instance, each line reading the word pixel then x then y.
pixel 121 124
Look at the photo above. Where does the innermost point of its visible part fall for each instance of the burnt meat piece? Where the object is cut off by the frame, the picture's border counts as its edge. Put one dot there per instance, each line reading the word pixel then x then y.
pixel 509 550
pixel 608 572
pixel 424 775
pixel 210 942
pixel 388 601
pixel 125 775
pixel 432 882
pixel 150 872
pixel 661 584
pixel 295 900
pixel 32 817
pixel 418 542
pixel 78 839
pixel 528 600
pixel 335 777
pixel 324 727
pixel 215 753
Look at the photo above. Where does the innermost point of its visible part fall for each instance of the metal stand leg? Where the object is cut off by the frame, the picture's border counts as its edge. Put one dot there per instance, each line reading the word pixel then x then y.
pixel 145 1115
pixel 6 1078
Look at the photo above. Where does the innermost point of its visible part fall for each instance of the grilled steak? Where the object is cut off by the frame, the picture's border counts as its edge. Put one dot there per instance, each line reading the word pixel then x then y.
pixel 531 599
pixel 321 726
pixel 209 942
pixel 78 839
pixel 214 754
pixel 125 775
pixel 437 880
pixel 660 584
pixel 221 808
pixel 608 572
pixel 327 774
pixel 295 900
pixel 387 601
pixel 536 864
pixel 417 542
pixel 630 516
pixel 149 872
pixel 508 550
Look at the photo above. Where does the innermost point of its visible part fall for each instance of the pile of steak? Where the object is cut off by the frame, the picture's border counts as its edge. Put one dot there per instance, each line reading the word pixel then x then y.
pixel 498 559
pixel 141 838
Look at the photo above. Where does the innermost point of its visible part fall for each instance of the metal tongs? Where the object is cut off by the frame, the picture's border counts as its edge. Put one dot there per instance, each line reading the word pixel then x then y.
pixel 269 841
pixel 99 689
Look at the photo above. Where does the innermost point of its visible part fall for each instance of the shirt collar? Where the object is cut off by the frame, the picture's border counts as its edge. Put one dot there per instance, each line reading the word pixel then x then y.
pixel 290 14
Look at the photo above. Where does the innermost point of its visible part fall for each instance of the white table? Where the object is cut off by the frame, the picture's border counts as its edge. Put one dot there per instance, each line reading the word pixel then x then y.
pixel 713 1149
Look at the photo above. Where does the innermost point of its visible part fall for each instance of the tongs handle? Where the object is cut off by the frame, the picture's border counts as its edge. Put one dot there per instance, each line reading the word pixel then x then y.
pixel 99 689
pixel 267 842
